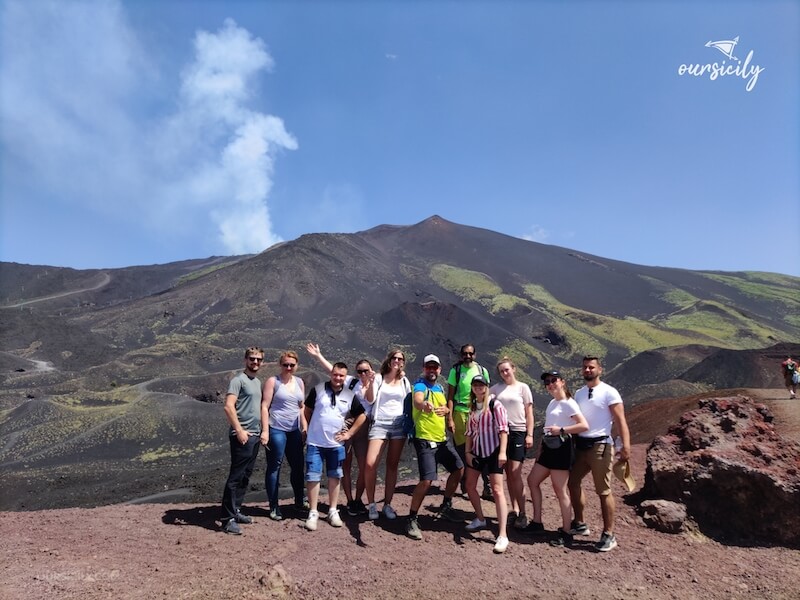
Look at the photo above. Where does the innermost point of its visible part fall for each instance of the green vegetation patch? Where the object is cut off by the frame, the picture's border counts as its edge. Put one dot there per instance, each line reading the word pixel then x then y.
pixel 504 302
pixel 726 326
pixel 764 286
pixel 469 285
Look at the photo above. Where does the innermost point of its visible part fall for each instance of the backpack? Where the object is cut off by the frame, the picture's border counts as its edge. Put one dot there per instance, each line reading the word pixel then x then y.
pixel 482 371
pixel 409 427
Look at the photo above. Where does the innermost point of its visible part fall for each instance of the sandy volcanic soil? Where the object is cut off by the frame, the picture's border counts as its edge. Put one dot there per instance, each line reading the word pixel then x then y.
pixel 177 551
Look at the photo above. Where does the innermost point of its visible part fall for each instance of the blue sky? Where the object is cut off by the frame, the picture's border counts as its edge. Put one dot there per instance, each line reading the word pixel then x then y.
pixel 148 132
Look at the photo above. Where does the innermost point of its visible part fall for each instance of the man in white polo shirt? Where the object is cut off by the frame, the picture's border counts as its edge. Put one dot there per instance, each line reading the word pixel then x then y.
pixel 602 406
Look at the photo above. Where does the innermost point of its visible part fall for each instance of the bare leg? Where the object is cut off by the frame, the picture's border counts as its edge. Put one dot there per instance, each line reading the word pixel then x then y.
pixel 371 471
pixel 559 480
pixel 496 481
pixel 472 491
pixel 312 488
pixel 392 464
pixel 419 493
pixel 452 483
pixel 535 478
pixel 576 497
pixel 361 485
pixel 333 494
pixel 607 506
pixel 516 490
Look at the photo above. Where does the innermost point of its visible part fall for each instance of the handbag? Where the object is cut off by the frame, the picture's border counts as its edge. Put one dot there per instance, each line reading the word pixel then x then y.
pixel 554 442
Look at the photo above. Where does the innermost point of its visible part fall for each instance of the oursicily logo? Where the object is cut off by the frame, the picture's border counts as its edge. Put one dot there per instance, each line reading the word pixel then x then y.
pixel 746 70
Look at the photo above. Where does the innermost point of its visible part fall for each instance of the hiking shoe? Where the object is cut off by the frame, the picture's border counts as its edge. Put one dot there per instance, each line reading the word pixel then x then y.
pixel 476 525
pixel 533 528
pixel 521 522
pixel 232 527
pixel 334 519
pixel 275 514
pixel 373 512
pixel 412 529
pixel 579 528
pixel 352 508
pixel 562 539
pixel 388 512
pixel 311 521
pixel 500 545
pixel 240 518
pixel 607 542
pixel 447 512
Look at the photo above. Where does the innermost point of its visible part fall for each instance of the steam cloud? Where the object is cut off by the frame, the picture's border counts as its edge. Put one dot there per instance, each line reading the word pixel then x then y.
pixel 82 106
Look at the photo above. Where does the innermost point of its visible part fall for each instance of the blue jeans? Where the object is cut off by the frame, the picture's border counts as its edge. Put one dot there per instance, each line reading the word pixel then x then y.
pixel 333 457
pixel 289 444
pixel 243 459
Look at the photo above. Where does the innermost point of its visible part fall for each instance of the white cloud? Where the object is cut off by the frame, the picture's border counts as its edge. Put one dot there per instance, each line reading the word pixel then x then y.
pixel 536 233
pixel 83 121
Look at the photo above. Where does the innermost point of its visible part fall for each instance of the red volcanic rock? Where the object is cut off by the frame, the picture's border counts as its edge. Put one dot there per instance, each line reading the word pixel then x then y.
pixel 737 477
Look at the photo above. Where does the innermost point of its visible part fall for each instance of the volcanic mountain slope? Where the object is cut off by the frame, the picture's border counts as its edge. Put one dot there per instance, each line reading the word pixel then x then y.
pixel 104 352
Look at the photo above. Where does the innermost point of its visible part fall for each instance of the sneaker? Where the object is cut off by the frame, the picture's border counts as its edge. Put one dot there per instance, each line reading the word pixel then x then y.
pixel 562 540
pixel 521 522
pixel 501 545
pixel 533 528
pixel 447 512
pixel 240 518
pixel 311 521
pixel 413 530
pixel 578 528
pixel 373 512
pixel 388 512
pixel 607 542
pixel 487 494
pixel 275 514
pixel 476 525
pixel 334 519
pixel 360 507
pixel 352 508
pixel 232 527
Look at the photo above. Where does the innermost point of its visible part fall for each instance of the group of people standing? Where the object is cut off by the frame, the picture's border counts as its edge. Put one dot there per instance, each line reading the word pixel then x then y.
pixel 474 430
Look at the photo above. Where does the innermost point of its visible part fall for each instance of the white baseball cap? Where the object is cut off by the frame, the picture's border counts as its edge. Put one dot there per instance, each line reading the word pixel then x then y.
pixel 432 358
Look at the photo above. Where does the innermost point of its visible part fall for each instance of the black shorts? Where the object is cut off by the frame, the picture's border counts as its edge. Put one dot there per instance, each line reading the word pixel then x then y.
pixel 560 459
pixel 487 465
pixel 515 450
pixel 431 453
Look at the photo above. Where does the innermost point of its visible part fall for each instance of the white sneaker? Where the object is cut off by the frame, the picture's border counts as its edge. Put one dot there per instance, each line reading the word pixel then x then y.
pixel 311 521
pixel 501 545
pixel 388 512
pixel 334 519
pixel 476 524
pixel 373 512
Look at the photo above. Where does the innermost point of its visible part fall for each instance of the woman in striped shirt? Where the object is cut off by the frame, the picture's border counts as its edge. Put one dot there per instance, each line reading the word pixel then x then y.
pixel 485 450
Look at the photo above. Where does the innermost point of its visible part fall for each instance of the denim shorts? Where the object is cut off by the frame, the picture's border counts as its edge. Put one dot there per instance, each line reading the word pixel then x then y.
pixel 333 457
pixel 387 430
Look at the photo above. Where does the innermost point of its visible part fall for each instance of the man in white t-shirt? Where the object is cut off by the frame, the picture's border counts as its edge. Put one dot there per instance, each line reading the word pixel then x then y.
pixel 327 409
pixel 602 406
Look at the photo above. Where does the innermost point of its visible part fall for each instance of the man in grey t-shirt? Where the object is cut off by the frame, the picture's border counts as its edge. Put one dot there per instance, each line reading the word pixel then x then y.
pixel 243 410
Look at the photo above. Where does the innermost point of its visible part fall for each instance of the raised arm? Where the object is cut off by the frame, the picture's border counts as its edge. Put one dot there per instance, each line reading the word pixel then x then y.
pixel 313 350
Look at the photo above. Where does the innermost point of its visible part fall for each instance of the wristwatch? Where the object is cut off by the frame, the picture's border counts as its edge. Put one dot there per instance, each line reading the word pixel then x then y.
pixel 562 431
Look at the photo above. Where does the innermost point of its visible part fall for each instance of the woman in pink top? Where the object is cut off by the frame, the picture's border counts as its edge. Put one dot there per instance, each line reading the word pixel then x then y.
pixel 485 450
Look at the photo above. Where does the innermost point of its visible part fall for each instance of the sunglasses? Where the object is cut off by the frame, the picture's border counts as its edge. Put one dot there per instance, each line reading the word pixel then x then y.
pixel 255 359
pixel 550 380
pixel 362 371
pixel 398 358
pixel 289 365
pixel 467 354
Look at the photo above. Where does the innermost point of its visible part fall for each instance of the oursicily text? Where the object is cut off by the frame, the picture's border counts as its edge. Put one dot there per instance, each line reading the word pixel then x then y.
pixel 714 70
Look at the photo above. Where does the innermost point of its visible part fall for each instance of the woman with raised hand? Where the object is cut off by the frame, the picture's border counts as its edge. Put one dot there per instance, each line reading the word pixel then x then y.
pixel 563 420
pixel 283 430
pixel 387 396
pixel 517 399
pixel 485 450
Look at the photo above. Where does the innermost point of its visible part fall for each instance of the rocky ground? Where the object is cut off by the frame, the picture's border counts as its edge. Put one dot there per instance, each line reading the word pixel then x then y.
pixel 177 551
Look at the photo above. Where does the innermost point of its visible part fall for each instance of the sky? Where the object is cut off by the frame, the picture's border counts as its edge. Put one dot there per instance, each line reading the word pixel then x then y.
pixel 146 132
